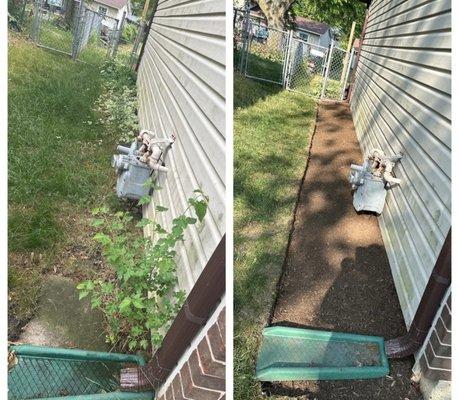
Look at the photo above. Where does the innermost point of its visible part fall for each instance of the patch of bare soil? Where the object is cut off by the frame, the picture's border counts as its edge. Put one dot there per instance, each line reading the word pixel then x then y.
pixel 337 275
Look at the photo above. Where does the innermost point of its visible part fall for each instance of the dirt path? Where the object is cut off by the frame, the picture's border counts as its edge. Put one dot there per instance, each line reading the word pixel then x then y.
pixel 337 274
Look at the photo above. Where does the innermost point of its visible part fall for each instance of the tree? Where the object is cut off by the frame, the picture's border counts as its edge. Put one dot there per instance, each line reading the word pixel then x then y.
pixel 336 13
pixel 275 11
pixel 137 7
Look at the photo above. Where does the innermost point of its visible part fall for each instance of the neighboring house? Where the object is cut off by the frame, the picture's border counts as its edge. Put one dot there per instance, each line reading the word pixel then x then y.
pixel 181 86
pixel 313 32
pixel 401 102
pixel 114 9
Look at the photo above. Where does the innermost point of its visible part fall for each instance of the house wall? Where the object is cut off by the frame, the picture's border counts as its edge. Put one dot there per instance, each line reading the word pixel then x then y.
pixel 433 362
pixel 181 85
pixel 325 39
pixel 312 37
pixel 401 102
pixel 200 374
pixel 120 12
pixel 111 12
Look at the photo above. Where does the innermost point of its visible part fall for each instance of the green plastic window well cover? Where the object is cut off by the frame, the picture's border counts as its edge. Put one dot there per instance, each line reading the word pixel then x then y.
pixel 304 354
pixel 71 374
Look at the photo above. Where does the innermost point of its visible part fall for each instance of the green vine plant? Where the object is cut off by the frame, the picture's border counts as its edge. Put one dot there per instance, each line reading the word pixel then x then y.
pixel 142 299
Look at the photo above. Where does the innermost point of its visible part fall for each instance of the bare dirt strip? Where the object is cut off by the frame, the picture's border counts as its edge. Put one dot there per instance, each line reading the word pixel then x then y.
pixel 337 275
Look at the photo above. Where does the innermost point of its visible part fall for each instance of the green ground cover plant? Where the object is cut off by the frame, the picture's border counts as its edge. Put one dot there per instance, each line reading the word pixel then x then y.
pixel 272 129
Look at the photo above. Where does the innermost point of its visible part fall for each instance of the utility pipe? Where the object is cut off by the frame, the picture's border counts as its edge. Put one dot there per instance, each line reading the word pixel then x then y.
pixel 436 288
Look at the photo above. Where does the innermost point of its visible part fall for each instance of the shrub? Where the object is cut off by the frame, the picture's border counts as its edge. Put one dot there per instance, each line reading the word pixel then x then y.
pixel 129 33
pixel 142 301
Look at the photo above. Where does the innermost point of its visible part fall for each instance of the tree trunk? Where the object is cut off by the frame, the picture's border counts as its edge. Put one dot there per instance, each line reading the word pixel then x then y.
pixel 274 11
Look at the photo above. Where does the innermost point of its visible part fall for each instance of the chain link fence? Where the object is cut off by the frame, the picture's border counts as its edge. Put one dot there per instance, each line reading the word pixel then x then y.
pixel 74 28
pixel 20 15
pixel 57 26
pixel 129 40
pixel 96 36
pixel 276 56
pixel 306 67
pixel 335 74
pixel 265 52
pixel 137 45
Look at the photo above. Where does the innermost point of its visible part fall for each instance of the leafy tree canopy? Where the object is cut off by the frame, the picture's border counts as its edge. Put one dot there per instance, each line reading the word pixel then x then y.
pixel 137 7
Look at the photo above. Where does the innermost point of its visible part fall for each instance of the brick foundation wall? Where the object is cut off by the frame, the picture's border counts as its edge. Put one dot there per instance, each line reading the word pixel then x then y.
pixel 435 361
pixel 202 376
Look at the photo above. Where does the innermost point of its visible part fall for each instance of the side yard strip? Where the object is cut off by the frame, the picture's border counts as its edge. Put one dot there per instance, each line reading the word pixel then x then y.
pixel 59 169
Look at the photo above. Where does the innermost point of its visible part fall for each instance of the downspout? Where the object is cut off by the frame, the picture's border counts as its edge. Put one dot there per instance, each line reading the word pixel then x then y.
pixel 436 288
pixel 198 307
pixel 147 33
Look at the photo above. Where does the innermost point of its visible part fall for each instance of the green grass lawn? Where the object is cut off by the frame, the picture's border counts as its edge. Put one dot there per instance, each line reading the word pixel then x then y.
pixel 59 164
pixel 272 129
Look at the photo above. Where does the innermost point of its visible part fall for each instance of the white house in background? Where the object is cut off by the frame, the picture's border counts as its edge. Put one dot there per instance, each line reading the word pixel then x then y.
pixel 113 9
pixel 313 32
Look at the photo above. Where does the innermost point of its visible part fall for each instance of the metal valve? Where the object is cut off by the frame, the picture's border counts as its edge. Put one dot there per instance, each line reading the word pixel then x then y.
pixel 135 164
pixel 371 180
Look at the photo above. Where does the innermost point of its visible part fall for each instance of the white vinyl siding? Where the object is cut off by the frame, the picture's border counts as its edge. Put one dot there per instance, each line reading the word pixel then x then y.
pixel 401 102
pixel 181 83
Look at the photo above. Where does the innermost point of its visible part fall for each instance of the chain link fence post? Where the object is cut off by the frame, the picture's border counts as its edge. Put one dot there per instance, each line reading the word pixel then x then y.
pixel 286 72
pixel 118 35
pixel 327 70
pixel 135 48
pixel 348 70
pixel 77 29
pixel 245 38
pixel 36 21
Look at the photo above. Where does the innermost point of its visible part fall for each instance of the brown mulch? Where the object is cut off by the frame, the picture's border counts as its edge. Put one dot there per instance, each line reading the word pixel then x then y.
pixel 337 275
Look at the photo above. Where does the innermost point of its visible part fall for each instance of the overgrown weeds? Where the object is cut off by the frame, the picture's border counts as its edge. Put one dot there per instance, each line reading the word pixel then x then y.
pixel 58 169
pixel 143 299
pixel 117 104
